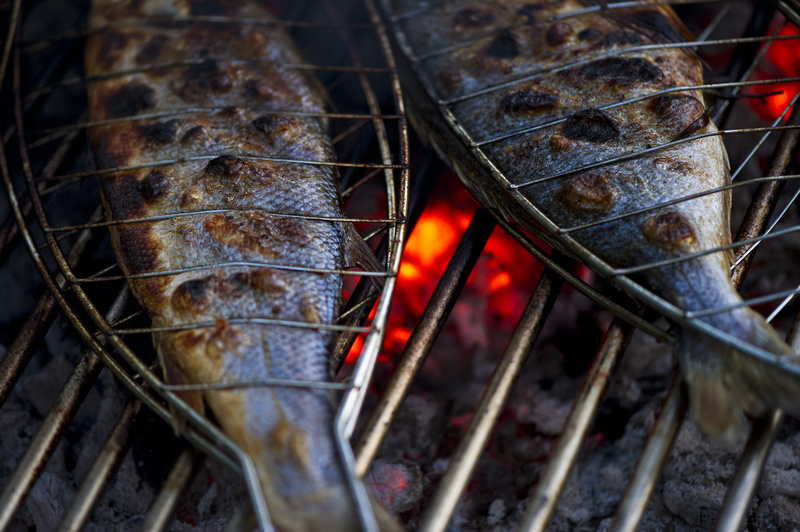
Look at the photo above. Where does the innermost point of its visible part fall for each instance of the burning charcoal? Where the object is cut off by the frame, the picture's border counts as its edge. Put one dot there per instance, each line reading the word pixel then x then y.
pixel 777 513
pixel 46 500
pixel 397 485
pixel 418 425
pixel 497 510
pixel 545 412
pixel 696 504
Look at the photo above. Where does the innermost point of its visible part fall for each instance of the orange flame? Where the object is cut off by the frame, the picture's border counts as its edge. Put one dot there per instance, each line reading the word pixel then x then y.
pixel 505 274
pixel 785 57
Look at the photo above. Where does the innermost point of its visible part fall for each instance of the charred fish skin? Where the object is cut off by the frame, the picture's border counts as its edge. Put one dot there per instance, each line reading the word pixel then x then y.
pixel 550 91
pixel 216 206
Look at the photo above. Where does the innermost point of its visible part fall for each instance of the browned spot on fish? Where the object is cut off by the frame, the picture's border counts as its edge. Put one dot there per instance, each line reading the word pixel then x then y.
pixel 192 338
pixel 160 132
pixel 268 281
pixel 150 52
pixel 309 310
pixel 205 77
pixel 257 40
pixel 451 78
pixel 117 147
pixel 288 443
pixel 529 12
pixel 622 71
pixel 675 112
pixel 681 168
pixel 592 125
pixel 138 248
pixel 154 185
pixel 559 143
pixel 192 198
pixel 473 17
pixel 558 33
pixel 528 100
pixel 123 196
pixel 110 47
pixel 589 34
pixel 257 89
pixel 156 288
pixel 695 127
pixel 504 45
pixel 129 100
pixel 226 166
pixel 259 238
pixel 588 193
pixel 669 230
pixel 220 326
pixel 191 295
pixel 192 134
pixel 291 230
pixel 273 124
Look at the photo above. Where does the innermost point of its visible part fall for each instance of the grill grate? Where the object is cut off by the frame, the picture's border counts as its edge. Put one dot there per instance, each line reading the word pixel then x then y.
pixel 53 156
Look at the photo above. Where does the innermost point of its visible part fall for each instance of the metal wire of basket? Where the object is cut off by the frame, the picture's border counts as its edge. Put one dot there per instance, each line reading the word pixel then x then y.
pixel 369 135
pixel 748 53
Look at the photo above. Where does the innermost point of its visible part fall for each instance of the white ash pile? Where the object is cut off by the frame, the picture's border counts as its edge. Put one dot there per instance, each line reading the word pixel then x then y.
pixel 440 406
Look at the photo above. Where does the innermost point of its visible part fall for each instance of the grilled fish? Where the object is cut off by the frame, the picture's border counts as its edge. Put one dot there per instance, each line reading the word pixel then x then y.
pixel 550 93
pixel 214 233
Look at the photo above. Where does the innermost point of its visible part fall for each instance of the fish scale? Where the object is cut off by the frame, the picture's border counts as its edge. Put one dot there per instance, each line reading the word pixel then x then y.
pixel 533 102
pixel 222 202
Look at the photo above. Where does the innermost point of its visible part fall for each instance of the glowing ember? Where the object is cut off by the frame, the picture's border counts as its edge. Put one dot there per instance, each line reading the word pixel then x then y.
pixel 504 276
pixel 784 56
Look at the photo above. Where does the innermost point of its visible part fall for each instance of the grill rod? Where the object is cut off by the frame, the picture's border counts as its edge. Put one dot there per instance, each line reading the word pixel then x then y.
pixel 102 471
pixel 44 443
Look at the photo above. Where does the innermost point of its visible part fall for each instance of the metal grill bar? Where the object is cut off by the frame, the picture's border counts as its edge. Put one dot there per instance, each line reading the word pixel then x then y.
pixel 421 341
pixel 41 448
pixel 469 450
pixel 640 489
pixel 565 453
pixel 161 511
pixel 102 471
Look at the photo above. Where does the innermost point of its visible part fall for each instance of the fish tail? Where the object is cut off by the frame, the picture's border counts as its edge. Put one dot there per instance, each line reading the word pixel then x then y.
pixel 725 384
pixel 332 509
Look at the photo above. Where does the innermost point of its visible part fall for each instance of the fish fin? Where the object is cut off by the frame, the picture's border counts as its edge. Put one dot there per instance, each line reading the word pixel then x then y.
pixel 174 375
pixel 360 254
pixel 725 384
pixel 712 405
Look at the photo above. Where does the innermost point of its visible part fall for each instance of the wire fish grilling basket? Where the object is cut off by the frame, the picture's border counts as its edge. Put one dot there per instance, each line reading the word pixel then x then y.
pixel 740 43
pixel 52 186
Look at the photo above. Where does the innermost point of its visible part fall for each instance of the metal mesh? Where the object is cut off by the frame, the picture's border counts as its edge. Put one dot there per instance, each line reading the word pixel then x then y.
pixel 768 187
pixel 51 177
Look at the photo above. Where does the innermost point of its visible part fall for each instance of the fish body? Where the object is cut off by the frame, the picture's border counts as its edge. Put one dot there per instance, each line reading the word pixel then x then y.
pixel 219 221
pixel 549 92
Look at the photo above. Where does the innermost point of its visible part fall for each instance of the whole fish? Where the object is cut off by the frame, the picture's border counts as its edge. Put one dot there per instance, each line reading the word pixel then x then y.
pixel 215 235
pixel 549 92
